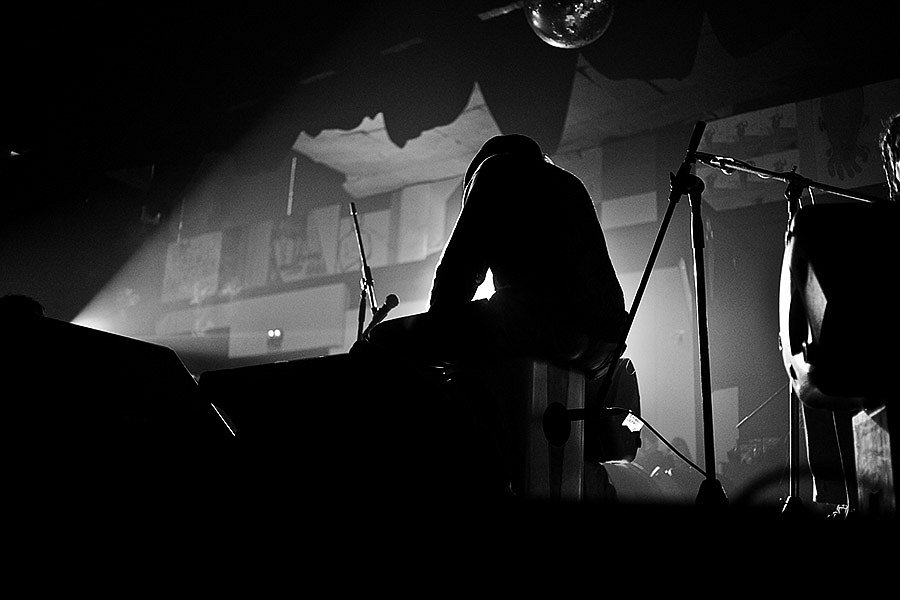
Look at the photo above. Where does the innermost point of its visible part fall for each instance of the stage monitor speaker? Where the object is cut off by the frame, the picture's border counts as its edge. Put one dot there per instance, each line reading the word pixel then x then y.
pixel 275 402
pixel 344 429
pixel 90 410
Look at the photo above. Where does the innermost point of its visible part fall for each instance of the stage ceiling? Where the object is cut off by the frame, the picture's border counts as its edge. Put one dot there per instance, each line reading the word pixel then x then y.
pixel 393 93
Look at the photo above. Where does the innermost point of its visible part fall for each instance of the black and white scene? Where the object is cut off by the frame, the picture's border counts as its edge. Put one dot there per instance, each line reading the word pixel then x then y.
pixel 600 280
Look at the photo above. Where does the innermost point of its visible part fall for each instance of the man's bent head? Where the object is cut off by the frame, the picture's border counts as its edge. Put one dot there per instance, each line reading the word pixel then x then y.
pixel 513 143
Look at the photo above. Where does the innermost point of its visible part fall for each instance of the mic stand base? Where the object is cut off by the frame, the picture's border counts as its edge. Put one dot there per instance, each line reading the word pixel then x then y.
pixel 711 494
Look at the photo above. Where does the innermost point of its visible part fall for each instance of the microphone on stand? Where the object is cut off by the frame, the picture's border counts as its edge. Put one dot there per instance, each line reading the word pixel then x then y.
pixel 389 303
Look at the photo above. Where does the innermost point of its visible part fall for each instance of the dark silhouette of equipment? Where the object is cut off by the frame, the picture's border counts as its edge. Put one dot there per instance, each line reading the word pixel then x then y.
pixel 95 419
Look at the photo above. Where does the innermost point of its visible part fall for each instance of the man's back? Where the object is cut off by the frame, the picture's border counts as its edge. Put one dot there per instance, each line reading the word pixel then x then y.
pixel 534 226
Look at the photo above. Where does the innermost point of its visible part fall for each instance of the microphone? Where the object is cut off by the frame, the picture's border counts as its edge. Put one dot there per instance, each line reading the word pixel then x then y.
pixel 389 303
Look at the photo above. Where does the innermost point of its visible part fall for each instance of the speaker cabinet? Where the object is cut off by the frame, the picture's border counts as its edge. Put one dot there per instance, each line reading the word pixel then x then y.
pixel 89 413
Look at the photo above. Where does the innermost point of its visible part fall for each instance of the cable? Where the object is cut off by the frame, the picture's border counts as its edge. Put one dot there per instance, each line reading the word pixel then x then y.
pixel 758 408
pixel 661 437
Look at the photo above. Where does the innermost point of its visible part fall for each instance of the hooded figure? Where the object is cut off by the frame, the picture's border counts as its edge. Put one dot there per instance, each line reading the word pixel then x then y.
pixel 534 226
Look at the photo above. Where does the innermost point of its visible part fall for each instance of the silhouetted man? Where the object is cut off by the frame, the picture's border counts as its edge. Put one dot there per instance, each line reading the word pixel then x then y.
pixel 534 226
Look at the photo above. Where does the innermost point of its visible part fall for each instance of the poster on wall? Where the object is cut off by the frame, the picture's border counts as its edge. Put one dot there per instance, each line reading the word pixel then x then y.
pixel 839 134
pixel 244 263
pixel 192 268
pixel 831 140
pixel 305 247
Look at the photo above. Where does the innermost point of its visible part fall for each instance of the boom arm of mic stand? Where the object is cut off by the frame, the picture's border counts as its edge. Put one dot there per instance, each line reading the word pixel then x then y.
pixel 728 165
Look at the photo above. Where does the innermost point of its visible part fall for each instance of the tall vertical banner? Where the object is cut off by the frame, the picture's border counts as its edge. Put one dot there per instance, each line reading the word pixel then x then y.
pixel 192 268
pixel 305 247
pixel 244 263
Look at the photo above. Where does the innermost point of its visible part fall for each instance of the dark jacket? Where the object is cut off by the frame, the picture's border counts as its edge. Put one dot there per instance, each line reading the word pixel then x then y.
pixel 533 224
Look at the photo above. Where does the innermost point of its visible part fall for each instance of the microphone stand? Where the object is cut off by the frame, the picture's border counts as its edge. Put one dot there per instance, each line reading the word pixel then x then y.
pixel 366 283
pixel 796 183
pixel 794 189
pixel 367 287
pixel 711 493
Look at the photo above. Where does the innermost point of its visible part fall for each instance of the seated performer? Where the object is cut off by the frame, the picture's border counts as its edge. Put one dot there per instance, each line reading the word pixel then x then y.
pixel 557 297
pixel 534 226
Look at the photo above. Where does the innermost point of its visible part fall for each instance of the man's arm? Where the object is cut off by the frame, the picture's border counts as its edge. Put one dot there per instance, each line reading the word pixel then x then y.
pixel 463 264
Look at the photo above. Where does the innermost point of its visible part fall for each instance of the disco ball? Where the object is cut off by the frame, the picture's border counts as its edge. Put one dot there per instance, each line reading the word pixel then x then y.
pixel 568 24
